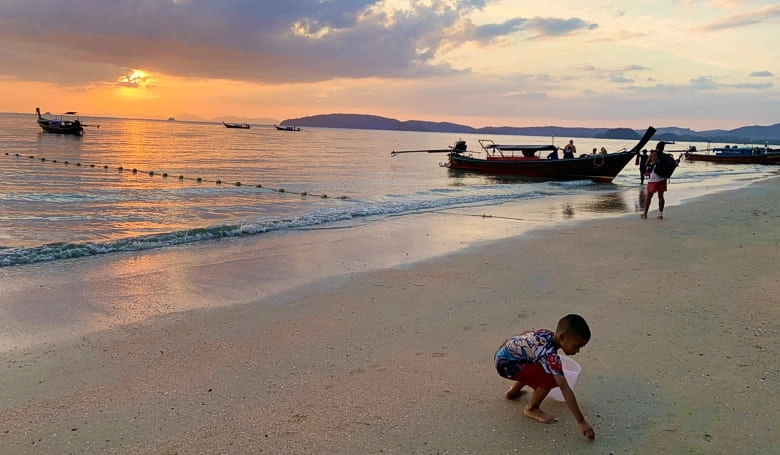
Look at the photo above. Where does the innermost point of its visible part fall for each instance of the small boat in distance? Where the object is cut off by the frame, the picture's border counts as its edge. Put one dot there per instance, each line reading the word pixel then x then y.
pixel 243 126
pixel 287 128
pixel 60 125
pixel 736 155
pixel 502 160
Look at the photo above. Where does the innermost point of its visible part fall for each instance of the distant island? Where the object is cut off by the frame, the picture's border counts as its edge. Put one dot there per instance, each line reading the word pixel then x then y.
pixel 744 135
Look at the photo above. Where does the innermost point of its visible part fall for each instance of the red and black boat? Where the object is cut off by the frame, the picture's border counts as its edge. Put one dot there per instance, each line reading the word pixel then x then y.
pixel 527 161
pixel 60 125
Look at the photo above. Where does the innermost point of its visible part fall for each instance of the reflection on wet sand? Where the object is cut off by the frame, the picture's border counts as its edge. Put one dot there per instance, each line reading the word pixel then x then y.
pixel 610 202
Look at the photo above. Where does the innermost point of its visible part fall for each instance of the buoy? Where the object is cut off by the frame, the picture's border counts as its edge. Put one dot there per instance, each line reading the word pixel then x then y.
pixel 303 193
pixel 135 171
pixel 238 183
pixel 219 182
pixel 198 179
pixel 259 186
pixel 78 164
pixel 43 159
pixel 151 173
pixel 324 196
pixel 165 175
pixel 281 190
pixel 120 169
pixel 181 177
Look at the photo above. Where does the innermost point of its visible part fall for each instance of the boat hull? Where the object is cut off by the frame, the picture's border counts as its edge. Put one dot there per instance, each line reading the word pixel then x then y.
pixel 54 127
pixel 769 158
pixel 599 168
pixel 241 126
pixel 287 128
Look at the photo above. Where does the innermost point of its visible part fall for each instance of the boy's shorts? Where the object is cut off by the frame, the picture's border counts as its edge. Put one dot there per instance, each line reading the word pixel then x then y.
pixel 530 374
pixel 656 187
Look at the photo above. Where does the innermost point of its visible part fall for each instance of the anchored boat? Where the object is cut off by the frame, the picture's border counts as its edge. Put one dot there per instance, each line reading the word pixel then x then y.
pixel 287 128
pixel 61 125
pixel 243 126
pixel 530 160
pixel 736 155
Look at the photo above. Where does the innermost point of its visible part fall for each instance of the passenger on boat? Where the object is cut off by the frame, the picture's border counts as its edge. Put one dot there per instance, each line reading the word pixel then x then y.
pixel 553 155
pixel 570 150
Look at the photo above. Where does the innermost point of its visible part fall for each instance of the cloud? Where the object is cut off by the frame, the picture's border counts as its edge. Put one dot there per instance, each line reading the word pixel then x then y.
pixel 551 27
pixel 259 41
pixel 765 15
pixel 754 86
pixel 703 83
pixel 761 74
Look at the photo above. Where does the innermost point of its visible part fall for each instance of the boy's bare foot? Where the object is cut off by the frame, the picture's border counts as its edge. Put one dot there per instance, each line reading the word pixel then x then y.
pixel 644 217
pixel 515 391
pixel 660 217
pixel 541 416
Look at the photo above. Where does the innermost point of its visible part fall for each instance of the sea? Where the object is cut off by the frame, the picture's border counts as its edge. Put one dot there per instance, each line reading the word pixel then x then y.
pixel 131 185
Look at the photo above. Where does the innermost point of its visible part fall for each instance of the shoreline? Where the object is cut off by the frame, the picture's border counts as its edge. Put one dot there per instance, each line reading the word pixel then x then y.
pixel 239 270
pixel 399 360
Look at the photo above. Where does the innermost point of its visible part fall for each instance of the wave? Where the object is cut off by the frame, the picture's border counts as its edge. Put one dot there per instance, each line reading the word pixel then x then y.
pixel 347 210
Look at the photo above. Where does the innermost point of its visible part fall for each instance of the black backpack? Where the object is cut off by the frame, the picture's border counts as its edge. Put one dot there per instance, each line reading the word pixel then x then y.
pixel 665 165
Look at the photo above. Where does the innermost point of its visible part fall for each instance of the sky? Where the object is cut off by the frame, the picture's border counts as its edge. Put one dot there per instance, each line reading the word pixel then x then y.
pixel 699 64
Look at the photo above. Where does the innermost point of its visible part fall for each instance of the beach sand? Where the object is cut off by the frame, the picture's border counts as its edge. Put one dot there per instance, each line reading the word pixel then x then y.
pixel 683 359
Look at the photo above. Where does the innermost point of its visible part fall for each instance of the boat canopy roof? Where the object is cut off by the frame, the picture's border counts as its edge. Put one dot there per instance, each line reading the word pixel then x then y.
pixel 521 148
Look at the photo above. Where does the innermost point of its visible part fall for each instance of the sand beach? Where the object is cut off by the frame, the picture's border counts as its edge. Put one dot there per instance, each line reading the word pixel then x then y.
pixel 398 359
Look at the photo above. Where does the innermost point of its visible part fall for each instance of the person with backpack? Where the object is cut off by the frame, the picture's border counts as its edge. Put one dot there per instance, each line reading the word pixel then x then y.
pixel 663 165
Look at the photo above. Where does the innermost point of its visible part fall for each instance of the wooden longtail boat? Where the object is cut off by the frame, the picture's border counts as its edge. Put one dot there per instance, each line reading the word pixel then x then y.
pixel 287 128
pixel 243 126
pixel 736 155
pixel 60 125
pixel 496 159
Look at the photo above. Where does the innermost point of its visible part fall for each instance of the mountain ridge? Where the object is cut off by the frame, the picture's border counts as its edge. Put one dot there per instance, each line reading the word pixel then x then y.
pixel 744 134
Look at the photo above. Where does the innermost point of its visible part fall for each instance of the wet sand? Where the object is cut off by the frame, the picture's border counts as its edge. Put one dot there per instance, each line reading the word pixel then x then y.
pixel 684 357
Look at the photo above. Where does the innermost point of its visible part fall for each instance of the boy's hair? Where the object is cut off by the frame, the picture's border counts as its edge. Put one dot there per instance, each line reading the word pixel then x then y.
pixel 574 323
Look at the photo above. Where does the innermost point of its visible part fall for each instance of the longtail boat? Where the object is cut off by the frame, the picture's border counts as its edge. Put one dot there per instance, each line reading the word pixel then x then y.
pixel 287 128
pixel 736 155
pixel 529 161
pixel 60 125
pixel 243 126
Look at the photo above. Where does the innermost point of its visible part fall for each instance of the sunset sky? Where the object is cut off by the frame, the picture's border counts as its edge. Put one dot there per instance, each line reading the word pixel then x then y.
pixel 700 64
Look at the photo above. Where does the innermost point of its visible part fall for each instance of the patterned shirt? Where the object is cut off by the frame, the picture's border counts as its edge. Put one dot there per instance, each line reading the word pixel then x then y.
pixel 532 347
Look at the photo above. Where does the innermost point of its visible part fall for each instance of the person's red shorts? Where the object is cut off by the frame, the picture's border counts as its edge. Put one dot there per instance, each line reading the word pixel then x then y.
pixel 656 187
pixel 533 375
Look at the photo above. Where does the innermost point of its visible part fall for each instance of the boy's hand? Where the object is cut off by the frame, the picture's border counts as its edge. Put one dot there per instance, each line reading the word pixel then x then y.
pixel 587 430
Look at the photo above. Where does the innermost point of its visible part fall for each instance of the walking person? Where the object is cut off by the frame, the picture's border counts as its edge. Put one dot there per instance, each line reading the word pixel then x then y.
pixel 660 173
pixel 643 167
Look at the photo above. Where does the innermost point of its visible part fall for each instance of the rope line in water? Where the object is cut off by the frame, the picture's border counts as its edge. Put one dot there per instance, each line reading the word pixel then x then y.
pixel 181 178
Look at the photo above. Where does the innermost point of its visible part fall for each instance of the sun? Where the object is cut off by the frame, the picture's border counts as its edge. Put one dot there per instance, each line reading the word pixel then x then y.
pixel 134 78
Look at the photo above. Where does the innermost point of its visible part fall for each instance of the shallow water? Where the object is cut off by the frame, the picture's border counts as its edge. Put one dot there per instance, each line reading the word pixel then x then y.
pixel 133 185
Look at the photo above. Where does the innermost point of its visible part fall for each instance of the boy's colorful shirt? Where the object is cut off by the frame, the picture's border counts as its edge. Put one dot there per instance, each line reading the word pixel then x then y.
pixel 533 347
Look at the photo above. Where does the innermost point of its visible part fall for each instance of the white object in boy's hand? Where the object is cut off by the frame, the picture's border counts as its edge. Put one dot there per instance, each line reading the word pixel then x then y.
pixel 571 371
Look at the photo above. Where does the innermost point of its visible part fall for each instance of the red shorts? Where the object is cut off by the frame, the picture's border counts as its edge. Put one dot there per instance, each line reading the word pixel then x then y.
pixel 533 375
pixel 656 187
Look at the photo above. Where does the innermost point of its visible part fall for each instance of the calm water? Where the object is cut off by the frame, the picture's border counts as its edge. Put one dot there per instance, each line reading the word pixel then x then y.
pixel 131 185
